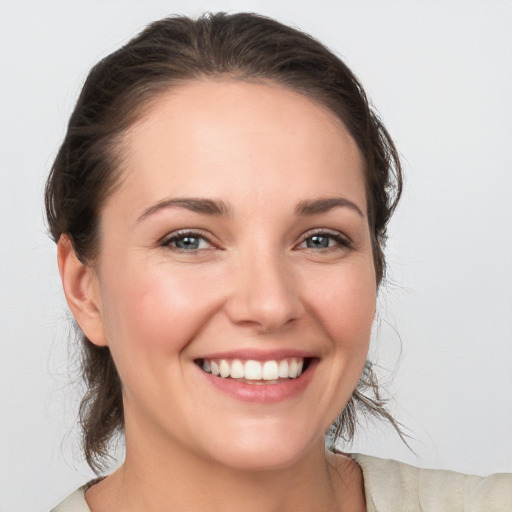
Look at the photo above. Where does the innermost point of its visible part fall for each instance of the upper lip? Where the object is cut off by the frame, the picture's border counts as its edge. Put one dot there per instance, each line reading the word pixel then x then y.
pixel 258 354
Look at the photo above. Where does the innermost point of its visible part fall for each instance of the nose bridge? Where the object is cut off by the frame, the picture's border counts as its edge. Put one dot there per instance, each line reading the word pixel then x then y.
pixel 264 290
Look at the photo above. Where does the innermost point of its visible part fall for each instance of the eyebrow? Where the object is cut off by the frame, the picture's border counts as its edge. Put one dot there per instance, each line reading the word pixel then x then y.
pixel 220 208
pixel 194 204
pixel 323 205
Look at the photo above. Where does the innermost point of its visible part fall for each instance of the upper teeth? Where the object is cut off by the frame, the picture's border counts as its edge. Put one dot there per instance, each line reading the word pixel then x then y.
pixel 254 370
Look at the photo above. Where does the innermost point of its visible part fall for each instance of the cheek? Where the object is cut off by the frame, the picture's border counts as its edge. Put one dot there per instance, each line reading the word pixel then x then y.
pixel 344 307
pixel 346 302
pixel 155 309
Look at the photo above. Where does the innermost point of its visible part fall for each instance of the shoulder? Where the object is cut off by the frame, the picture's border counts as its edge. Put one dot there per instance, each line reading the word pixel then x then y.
pixel 393 486
pixel 74 502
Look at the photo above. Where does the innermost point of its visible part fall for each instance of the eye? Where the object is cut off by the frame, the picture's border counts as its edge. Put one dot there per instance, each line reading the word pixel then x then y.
pixel 186 241
pixel 325 240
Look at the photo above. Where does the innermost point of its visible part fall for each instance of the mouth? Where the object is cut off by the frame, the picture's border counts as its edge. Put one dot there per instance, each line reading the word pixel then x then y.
pixel 251 371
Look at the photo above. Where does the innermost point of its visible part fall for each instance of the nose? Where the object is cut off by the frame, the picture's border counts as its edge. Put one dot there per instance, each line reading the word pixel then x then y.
pixel 264 293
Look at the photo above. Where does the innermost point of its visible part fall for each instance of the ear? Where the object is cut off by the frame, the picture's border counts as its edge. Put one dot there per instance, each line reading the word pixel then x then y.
pixel 81 290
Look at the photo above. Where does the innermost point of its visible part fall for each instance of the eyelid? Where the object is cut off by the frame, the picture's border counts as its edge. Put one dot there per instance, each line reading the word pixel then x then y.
pixel 166 240
pixel 338 236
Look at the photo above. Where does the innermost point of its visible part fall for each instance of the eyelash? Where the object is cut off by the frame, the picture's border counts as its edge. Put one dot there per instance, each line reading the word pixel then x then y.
pixel 341 240
pixel 181 235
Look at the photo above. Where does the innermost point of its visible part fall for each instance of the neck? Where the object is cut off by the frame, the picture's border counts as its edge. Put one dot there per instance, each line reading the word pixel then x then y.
pixel 162 478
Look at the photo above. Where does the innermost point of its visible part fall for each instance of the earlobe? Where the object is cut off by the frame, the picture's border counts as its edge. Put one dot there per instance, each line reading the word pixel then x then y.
pixel 81 291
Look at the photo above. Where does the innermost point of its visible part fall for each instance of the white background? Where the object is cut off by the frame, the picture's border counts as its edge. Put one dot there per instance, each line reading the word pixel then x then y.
pixel 439 73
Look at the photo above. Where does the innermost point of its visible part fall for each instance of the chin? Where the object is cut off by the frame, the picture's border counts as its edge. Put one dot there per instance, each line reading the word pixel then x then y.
pixel 265 450
pixel 258 459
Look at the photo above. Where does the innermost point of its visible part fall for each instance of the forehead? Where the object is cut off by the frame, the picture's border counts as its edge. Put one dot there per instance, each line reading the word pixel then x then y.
pixel 211 137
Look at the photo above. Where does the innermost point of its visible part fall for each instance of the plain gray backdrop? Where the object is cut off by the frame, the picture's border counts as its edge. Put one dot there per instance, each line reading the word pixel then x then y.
pixel 439 73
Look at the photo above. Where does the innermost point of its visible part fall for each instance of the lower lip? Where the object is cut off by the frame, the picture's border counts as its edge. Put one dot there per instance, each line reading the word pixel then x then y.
pixel 261 392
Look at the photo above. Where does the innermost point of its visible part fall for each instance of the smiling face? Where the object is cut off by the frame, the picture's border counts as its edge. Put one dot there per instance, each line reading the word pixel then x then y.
pixel 238 243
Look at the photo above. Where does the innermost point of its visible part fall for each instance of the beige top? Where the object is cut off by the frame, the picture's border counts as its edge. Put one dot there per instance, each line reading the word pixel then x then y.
pixel 392 486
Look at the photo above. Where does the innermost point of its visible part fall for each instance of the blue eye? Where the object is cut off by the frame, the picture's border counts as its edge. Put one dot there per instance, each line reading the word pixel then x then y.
pixel 323 240
pixel 187 242
pixel 318 242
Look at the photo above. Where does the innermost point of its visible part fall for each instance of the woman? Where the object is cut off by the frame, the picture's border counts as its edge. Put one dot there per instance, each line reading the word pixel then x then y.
pixel 220 205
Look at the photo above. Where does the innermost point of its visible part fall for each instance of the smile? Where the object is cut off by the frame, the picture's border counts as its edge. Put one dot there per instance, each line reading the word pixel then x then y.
pixel 271 371
pixel 258 378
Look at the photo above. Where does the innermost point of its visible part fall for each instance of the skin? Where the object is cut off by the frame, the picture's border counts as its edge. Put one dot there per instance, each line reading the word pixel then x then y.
pixel 256 281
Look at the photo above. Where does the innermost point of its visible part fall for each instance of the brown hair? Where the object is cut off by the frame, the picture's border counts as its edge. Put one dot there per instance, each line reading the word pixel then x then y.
pixel 170 51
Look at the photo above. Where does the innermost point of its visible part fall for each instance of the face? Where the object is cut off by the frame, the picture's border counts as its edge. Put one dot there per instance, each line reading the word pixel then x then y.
pixel 235 283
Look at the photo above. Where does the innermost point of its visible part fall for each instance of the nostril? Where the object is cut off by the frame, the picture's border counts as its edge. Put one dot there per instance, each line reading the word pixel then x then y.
pixel 264 299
